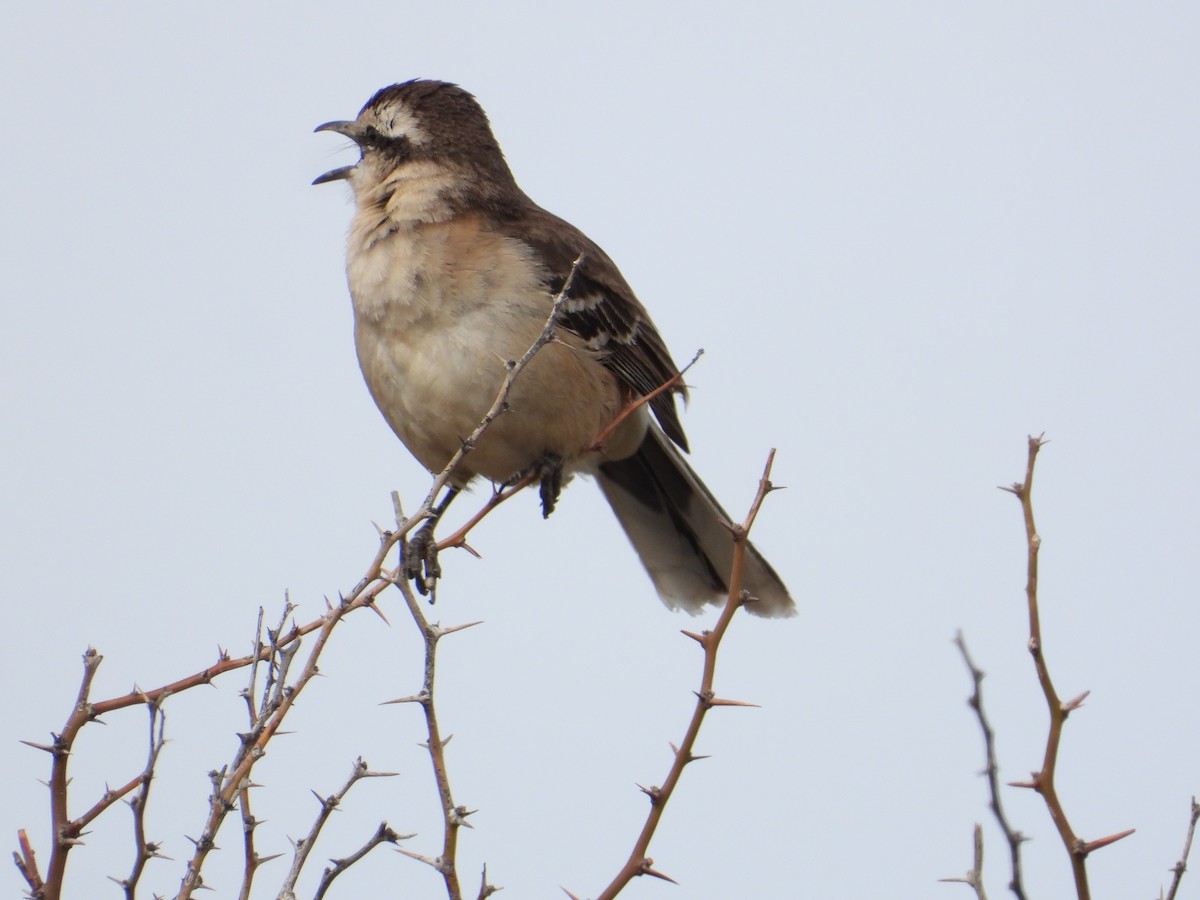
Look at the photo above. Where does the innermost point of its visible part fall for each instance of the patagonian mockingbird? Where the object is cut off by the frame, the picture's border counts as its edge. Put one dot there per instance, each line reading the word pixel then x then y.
pixel 453 271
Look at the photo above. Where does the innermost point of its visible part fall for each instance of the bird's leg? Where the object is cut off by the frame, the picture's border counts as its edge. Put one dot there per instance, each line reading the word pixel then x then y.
pixel 420 553
pixel 550 472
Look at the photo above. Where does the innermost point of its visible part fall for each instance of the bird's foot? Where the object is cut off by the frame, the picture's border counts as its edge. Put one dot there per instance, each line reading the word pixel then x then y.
pixel 549 470
pixel 421 561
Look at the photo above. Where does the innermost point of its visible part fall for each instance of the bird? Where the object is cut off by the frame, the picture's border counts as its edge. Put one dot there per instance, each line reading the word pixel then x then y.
pixel 453 270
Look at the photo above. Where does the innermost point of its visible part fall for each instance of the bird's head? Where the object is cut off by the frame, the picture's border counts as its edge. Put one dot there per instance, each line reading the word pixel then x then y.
pixel 420 123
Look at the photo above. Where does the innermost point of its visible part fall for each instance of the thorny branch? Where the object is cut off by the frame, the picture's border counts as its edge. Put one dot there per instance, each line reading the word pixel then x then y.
pixel 453 816
pixel 383 835
pixel 1180 867
pixel 304 845
pixel 1043 781
pixel 146 850
pixel 638 862
pixel 992 770
pixel 974 877
pixel 231 783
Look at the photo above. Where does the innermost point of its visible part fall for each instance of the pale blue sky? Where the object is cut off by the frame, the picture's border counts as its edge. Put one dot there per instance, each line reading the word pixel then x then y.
pixel 906 235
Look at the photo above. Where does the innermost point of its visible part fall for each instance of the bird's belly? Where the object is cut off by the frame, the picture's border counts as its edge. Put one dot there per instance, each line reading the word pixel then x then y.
pixel 433 392
pixel 438 316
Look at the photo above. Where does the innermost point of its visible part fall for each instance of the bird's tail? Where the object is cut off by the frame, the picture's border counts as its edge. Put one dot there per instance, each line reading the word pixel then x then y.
pixel 678 530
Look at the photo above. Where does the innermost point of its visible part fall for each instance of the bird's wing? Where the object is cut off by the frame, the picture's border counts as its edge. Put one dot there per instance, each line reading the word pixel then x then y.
pixel 604 312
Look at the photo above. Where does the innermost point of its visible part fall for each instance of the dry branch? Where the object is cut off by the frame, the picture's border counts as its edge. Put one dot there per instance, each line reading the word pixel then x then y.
pixel 638 862
pixel 1180 867
pixel 1043 780
pixel 992 771
pixel 303 846
pixel 974 876
pixel 270 698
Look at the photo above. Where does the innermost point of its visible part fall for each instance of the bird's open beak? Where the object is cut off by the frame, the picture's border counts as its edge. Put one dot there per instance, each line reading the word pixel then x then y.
pixel 347 129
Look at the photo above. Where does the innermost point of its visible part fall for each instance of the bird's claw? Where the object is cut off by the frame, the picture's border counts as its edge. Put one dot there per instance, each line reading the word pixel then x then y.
pixel 421 561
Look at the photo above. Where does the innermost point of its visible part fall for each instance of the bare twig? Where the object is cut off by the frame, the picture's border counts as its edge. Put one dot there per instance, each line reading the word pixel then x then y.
pixel 630 408
pixel 26 860
pixel 304 845
pixel 229 782
pixel 992 771
pixel 66 835
pixel 232 782
pixel 638 862
pixel 145 850
pixel 975 876
pixel 1043 781
pixel 459 537
pixel 486 890
pixel 1180 867
pixel 383 835
pixel 453 816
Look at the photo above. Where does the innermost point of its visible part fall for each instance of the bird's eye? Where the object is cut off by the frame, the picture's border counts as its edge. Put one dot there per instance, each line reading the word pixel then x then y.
pixel 371 135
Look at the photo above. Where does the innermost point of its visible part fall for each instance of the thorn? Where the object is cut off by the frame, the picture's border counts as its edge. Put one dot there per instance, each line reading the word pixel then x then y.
pixel 429 861
pixel 698 638
pixel 1015 488
pixel 647 868
pixel 438 631
pixel 46 747
pixel 425 744
pixel 459 816
pixel 465 546
pixel 1074 703
pixel 654 792
pixel 415 698
pixel 568 893
pixel 324 801
pixel 266 859
pixel 1083 849
pixel 1033 784
pixel 717 701
pixel 692 757
pixel 379 612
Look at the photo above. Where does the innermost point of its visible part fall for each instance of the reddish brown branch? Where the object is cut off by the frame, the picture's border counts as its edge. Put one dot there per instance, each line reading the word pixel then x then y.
pixel 64 836
pixel 1043 781
pixel 459 537
pixel 632 407
pixel 231 783
pixel 638 862
pixel 26 861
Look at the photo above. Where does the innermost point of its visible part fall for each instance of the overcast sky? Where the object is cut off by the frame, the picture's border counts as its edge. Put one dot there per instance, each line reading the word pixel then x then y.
pixel 906 235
